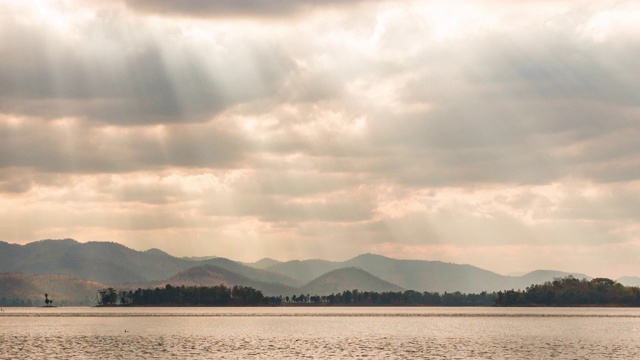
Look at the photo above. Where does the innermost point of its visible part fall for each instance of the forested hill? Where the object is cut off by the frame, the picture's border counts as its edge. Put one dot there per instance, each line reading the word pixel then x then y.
pixel 111 263
pixel 211 275
pixel 570 291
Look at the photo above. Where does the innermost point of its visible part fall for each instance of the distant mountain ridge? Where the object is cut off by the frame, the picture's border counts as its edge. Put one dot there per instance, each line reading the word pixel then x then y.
pixel 104 262
pixel 212 275
pixel 420 275
pixel 629 280
pixel 115 265
pixel 264 263
pixel 110 263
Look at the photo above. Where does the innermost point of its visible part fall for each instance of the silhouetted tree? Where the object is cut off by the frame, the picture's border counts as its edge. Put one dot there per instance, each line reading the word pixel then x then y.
pixel 47 301
pixel 108 296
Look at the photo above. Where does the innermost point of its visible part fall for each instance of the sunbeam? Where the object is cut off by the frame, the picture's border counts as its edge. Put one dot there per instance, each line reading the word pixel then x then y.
pixel 494 133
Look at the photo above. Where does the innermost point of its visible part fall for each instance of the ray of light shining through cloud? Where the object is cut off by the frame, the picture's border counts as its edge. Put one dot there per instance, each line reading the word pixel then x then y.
pixel 502 134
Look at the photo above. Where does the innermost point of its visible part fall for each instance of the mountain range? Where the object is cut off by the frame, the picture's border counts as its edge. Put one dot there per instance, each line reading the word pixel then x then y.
pixel 111 263
pixel 102 264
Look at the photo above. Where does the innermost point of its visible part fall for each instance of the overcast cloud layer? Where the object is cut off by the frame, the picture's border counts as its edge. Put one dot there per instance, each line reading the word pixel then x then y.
pixel 503 134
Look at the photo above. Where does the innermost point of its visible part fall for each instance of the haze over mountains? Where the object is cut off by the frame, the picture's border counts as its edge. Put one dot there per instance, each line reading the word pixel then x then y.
pixel 62 289
pixel 339 280
pixel 101 264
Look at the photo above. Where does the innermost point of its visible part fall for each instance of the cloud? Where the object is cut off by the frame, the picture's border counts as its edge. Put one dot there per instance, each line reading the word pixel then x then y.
pixel 231 8
pixel 324 207
pixel 77 146
pixel 121 70
pixel 14 185
pixel 300 129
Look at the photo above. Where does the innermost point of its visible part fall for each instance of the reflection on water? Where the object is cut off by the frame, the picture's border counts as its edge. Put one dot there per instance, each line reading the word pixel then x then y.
pixel 455 333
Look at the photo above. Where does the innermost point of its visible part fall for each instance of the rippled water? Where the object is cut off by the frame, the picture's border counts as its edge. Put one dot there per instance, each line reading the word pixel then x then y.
pixel 407 333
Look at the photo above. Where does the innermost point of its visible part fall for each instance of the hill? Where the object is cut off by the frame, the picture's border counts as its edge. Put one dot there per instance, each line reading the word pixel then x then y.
pixel 352 278
pixel 304 271
pixel 629 280
pixel 212 275
pixel 251 272
pixel 429 275
pixel 331 282
pixel 62 289
pixel 198 258
pixel 104 262
pixel 420 275
pixel 110 263
pixel 264 263
pixel 542 276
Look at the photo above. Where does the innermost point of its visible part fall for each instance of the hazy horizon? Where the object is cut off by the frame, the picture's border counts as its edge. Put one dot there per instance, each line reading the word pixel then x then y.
pixel 501 134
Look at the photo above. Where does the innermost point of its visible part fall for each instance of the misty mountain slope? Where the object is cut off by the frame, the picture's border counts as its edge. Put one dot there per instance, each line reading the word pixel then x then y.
pixel 343 279
pixel 438 276
pixel 110 263
pixel 304 271
pixel 62 289
pixel 198 258
pixel 430 276
pixel 104 262
pixel 251 272
pixel 33 255
pixel 264 264
pixel 212 275
pixel 8 256
pixel 542 276
pixel 420 275
pixel 64 257
pixel 629 280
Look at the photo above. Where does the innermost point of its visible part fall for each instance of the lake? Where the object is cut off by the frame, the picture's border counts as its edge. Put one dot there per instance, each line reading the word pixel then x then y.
pixel 320 332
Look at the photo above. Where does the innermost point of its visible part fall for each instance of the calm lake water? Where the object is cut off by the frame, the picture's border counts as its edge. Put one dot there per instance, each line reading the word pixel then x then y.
pixel 277 333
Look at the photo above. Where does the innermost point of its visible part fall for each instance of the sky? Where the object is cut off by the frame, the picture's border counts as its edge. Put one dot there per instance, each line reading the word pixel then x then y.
pixel 502 134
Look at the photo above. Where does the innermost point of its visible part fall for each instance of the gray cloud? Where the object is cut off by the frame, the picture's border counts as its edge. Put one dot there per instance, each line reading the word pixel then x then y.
pixel 232 8
pixel 108 75
pixel 530 111
pixel 275 209
pixel 505 110
pixel 77 146
pixel 149 193
pixel 13 181
pixel 559 65
pixel 273 125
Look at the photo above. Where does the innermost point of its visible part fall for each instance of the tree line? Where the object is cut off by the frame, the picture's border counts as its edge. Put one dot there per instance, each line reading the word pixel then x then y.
pixel 184 296
pixel 567 291
pixel 391 298
pixel 570 291
pixel 246 296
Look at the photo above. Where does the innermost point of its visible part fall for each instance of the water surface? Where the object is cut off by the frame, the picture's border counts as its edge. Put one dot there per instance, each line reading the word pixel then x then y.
pixel 319 332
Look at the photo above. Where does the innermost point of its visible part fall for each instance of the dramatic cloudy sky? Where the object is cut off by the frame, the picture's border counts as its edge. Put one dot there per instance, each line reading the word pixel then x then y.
pixel 498 133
